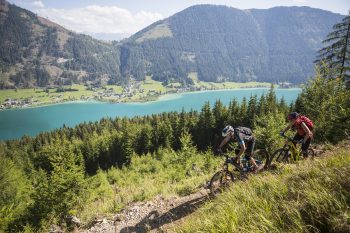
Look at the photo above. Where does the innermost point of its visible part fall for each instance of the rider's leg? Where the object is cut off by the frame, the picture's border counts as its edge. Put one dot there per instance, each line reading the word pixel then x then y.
pixel 236 159
pixel 305 147
pixel 249 151
pixel 297 138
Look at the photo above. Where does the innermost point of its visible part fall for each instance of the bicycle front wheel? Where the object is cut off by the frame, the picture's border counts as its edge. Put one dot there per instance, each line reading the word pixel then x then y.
pixel 220 181
pixel 279 156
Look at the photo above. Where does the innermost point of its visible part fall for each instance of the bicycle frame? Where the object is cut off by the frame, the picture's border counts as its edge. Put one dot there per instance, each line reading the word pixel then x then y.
pixel 292 148
pixel 245 168
pixel 290 152
pixel 224 176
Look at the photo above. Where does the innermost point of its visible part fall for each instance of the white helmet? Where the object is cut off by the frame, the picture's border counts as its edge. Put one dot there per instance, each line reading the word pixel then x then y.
pixel 227 130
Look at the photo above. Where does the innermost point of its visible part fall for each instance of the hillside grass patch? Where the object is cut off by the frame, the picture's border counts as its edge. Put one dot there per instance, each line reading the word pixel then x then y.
pixel 44 96
pixel 225 85
pixel 166 172
pixel 312 196
pixel 150 85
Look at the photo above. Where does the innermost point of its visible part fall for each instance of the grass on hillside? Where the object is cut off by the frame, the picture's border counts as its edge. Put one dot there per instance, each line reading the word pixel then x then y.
pixel 165 173
pixel 224 85
pixel 22 94
pixel 40 94
pixel 312 196
pixel 150 85
pixel 159 31
pixel 116 88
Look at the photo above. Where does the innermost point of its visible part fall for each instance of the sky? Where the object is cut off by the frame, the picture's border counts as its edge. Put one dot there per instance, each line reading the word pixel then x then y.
pixel 126 17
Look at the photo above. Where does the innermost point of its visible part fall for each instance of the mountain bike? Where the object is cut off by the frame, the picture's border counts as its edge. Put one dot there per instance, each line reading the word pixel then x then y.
pixel 228 174
pixel 290 152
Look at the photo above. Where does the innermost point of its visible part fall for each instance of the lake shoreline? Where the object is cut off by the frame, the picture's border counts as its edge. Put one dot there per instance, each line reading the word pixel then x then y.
pixel 160 97
pixel 14 123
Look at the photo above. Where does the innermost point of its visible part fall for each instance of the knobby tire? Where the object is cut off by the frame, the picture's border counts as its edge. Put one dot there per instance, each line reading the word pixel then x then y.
pixel 220 181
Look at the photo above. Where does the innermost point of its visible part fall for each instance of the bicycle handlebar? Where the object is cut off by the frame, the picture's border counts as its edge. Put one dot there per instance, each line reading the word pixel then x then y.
pixel 284 136
pixel 291 139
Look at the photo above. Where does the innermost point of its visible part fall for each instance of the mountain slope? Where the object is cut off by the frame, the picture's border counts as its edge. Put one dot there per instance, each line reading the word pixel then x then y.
pixel 221 43
pixel 208 42
pixel 37 52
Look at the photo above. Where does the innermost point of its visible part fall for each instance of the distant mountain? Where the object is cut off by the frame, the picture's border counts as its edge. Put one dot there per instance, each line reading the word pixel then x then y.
pixel 221 43
pixel 37 52
pixel 107 36
pixel 212 43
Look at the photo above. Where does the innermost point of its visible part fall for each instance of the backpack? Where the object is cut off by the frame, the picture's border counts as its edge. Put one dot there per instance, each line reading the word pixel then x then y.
pixel 307 122
pixel 244 130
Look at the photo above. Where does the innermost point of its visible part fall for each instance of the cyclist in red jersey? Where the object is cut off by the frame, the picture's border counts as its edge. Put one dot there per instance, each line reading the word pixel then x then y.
pixel 304 132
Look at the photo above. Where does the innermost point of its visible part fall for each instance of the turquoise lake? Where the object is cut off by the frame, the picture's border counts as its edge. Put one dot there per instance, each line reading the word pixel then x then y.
pixel 15 123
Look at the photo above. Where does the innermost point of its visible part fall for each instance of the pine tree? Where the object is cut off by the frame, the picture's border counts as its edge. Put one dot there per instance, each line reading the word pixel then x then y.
pixel 165 134
pixel 234 112
pixel 271 99
pixel 282 106
pixel 177 124
pixel 15 193
pixel 59 191
pixel 243 121
pixel 126 145
pixel 262 105
pixel 205 127
pixel 336 56
pixel 144 140
pixel 252 109
pixel 266 129
pixel 220 114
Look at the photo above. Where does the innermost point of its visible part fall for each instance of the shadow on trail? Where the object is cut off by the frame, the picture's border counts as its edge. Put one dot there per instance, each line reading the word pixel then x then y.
pixel 153 220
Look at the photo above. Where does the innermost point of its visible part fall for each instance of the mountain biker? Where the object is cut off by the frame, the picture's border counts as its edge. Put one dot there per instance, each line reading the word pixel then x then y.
pixel 244 136
pixel 304 132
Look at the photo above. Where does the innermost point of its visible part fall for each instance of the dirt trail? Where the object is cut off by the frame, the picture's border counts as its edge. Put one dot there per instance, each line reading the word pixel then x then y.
pixel 157 215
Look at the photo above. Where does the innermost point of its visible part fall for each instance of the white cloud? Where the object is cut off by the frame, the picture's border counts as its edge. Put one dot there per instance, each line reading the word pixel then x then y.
pixel 39 4
pixel 299 1
pixel 100 19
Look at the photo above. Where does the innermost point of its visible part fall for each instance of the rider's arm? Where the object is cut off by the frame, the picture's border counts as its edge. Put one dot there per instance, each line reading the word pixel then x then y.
pixel 287 128
pixel 224 141
pixel 240 140
pixel 308 133
pixel 243 148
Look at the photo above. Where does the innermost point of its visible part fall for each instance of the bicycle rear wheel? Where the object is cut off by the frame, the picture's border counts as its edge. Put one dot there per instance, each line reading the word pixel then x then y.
pixel 261 157
pixel 220 181
pixel 310 153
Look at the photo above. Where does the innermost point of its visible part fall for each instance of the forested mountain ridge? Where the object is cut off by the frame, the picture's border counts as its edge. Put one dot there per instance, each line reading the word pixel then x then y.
pixel 221 43
pixel 37 52
pixel 208 42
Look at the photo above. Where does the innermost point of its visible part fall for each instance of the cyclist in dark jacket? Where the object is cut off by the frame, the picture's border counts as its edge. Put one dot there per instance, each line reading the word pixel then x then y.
pixel 244 136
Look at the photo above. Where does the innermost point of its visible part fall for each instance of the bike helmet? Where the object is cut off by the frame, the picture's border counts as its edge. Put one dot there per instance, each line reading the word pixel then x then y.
pixel 292 116
pixel 227 130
